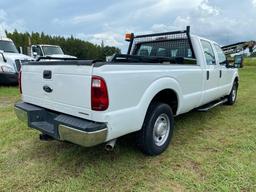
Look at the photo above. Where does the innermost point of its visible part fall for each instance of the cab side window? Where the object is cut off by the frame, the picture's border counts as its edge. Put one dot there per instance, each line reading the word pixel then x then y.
pixel 37 50
pixel 208 52
pixel 221 56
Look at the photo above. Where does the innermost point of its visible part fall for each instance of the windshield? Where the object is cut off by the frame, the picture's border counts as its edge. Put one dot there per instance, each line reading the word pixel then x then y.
pixel 52 50
pixel 8 46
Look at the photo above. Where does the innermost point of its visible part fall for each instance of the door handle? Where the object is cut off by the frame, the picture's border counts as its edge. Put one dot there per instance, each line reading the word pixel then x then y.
pixel 220 73
pixel 207 75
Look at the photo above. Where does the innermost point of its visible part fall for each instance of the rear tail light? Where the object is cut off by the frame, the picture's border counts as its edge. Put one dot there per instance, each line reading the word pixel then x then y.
pixel 19 80
pixel 99 94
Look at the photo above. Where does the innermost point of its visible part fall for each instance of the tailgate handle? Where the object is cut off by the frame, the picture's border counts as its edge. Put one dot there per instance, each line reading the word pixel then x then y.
pixel 47 74
pixel 47 89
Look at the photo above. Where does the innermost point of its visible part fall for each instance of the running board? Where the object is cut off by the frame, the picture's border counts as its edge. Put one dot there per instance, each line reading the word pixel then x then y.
pixel 211 105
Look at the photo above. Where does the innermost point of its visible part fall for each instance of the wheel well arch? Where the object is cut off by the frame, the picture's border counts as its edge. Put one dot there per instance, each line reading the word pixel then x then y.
pixel 169 97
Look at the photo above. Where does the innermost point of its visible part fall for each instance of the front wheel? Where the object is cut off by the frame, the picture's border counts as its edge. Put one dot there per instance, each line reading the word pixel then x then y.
pixel 156 133
pixel 233 94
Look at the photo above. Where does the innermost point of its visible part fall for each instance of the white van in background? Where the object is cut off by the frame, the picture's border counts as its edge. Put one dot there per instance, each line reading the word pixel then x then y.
pixel 10 61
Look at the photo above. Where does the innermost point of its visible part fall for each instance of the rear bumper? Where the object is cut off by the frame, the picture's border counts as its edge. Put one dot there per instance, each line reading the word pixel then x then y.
pixel 8 78
pixel 60 126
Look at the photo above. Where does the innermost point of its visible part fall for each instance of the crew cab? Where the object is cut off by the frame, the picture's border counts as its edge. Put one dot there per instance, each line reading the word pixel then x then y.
pixel 45 50
pixel 163 75
pixel 10 61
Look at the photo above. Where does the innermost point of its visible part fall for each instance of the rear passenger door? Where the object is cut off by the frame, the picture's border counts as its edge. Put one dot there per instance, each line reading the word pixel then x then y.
pixel 211 73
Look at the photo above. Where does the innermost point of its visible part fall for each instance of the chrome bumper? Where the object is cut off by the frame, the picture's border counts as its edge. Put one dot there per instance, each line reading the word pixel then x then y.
pixel 82 138
pixel 61 128
pixel 21 114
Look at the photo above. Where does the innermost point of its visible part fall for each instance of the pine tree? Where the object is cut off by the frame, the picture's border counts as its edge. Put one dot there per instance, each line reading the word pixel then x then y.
pixel 70 45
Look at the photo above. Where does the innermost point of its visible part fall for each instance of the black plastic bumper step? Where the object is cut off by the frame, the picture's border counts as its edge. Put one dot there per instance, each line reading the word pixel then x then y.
pixel 48 121
pixel 45 127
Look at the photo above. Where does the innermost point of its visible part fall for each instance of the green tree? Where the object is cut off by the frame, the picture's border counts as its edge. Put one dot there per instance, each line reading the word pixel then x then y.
pixel 70 45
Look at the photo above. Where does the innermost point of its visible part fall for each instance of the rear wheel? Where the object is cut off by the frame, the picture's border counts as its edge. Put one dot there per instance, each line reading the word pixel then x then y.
pixel 233 94
pixel 156 133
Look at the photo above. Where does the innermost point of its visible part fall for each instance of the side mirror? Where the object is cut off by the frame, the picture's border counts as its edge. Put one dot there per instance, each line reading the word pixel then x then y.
pixel 225 63
pixel 238 61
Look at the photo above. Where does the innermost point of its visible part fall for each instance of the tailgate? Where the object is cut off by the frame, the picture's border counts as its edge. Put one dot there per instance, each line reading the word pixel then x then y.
pixel 63 86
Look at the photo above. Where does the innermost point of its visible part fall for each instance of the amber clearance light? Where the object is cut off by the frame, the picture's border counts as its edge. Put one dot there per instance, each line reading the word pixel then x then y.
pixel 128 36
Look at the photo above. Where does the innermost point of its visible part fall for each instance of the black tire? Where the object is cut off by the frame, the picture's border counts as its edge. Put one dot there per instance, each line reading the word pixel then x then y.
pixel 149 137
pixel 233 94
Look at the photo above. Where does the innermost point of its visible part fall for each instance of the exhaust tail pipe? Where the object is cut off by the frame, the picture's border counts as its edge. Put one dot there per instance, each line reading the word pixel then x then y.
pixel 110 145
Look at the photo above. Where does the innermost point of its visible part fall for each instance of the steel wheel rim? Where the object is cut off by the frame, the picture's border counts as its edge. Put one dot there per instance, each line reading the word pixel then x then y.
pixel 161 129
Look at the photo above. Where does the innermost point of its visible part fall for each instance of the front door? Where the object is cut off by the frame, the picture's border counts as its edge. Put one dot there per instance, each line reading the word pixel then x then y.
pixel 212 74
pixel 226 74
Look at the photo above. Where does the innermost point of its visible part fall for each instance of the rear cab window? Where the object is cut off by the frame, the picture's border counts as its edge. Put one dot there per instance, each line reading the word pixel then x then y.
pixel 145 50
pixel 167 48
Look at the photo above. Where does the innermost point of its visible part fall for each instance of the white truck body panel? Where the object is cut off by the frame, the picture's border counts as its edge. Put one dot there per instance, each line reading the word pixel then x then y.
pixel 67 97
pixel 131 88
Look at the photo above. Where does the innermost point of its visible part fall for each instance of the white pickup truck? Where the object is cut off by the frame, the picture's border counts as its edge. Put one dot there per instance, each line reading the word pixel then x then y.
pixel 45 50
pixel 91 102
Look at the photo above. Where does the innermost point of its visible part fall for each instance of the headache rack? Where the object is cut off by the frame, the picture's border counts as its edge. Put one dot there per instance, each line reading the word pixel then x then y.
pixel 125 58
pixel 182 38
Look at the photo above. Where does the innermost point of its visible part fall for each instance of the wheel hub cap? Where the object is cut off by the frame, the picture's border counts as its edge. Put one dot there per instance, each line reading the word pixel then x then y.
pixel 161 129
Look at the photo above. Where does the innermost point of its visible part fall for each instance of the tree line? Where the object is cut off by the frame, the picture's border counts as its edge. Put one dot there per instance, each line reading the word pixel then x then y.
pixel 70 45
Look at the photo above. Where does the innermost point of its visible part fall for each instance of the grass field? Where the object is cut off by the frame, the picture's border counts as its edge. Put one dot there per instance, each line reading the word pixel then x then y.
pixel 212 151
pixel 250 61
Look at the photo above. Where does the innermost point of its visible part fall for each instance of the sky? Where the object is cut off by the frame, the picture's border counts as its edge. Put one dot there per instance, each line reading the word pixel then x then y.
pixel 226 22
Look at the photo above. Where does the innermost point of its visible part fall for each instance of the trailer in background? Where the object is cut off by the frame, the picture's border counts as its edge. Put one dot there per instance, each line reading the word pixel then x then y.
pixel 246 48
